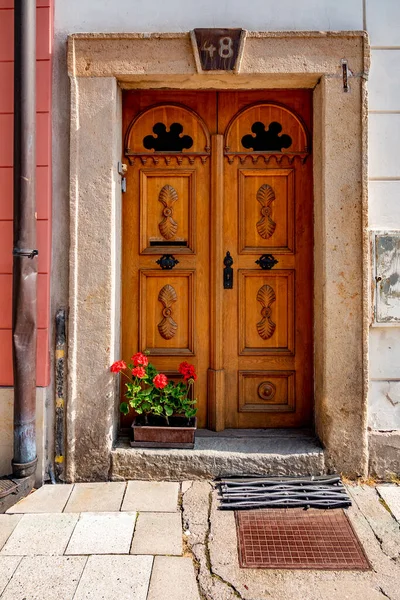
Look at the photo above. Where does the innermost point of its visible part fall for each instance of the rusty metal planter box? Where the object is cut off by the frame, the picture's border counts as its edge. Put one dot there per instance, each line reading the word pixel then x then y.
pixel 163 436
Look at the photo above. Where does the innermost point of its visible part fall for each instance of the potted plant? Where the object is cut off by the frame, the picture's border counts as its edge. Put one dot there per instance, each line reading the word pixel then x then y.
pixel 165 414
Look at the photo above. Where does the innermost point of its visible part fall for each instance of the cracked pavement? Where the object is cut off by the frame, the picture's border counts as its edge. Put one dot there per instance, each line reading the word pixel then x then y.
pixel 210 536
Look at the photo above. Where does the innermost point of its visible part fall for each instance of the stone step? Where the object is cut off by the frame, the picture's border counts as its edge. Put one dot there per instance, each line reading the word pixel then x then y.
pixel 230 452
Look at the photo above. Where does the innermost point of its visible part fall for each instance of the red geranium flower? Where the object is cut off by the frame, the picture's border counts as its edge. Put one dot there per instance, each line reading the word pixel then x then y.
pixel 118 366
pixel 140 360
pixel 139 372
pixel 188 371
pixel 160 381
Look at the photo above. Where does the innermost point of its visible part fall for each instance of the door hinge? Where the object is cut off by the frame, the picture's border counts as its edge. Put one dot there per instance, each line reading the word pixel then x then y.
pixel 122 170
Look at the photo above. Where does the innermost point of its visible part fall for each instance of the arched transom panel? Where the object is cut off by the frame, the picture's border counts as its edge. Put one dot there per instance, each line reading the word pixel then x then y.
pixel 167 130
pixel 266 128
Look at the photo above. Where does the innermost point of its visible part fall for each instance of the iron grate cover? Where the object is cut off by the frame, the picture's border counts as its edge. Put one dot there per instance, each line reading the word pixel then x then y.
pixel 7 486
pixel 298 539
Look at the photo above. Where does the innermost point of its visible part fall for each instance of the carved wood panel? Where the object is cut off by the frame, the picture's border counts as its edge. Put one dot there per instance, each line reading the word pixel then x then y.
pixel 266 312
pixel 267 391
pixel 167 211
pixel 266 211
pixel 167 312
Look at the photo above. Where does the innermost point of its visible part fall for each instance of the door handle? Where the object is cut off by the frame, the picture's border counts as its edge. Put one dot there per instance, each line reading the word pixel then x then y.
pixel 228 271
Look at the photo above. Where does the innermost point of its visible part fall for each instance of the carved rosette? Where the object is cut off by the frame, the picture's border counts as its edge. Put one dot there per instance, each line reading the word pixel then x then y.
pixel 265 196
pixel 167 327
pixel 266 327
pixel 266 390
pixel 168 227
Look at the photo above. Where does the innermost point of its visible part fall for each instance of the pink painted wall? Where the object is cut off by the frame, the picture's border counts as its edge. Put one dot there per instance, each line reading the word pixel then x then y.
pixel 44 42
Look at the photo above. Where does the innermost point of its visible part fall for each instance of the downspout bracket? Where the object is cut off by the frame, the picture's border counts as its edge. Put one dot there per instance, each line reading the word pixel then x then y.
pixel 25 252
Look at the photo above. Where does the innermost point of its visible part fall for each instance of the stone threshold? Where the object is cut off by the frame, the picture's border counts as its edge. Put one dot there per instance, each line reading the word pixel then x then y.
pixel 229 452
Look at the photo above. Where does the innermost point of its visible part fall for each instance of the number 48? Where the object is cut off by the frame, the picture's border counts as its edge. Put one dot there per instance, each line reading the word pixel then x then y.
pixel 225 49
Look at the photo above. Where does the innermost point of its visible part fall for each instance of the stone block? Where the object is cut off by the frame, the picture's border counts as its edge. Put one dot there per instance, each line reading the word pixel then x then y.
pixel 391 495
pixel 384 454
pixel 96 497
pixel 173 577
pixel 384 80
pixel 49 577
pixel 220 454
pixel 7 526
pixel 158 533
pixel 151 496
pixel 384 131
pixel 45 534
pixel 47 499
pixel 8 565
pixel 102 533
pixel 384 405
pixel 384 214
pixel 115 578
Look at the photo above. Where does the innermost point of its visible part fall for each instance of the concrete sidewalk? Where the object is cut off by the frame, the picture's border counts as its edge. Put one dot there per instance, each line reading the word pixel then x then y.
pixel 167 541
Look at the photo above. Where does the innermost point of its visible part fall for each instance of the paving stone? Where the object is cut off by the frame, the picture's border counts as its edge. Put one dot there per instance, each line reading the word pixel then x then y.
pixel 45 577
pixel 115 578
pixel 96 497
pixel 158 533
pixel 102 533
pixel 8 564
pixel 151 496
pixel 384 526
pixel 173 577
pixel 41 535
pixel 185 486
pixel 391 495
pixel 47 499
pixel 7 526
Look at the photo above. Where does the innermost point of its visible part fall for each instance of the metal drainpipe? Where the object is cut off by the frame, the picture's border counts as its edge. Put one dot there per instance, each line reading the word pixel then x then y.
pixel 24 252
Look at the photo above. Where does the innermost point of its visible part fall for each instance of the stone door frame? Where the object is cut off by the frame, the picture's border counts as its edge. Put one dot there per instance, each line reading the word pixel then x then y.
pixel 99 66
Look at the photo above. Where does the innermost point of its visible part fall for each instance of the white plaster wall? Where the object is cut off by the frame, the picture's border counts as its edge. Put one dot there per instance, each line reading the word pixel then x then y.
pixel 182 15
pixel 382 19
pixel 379 17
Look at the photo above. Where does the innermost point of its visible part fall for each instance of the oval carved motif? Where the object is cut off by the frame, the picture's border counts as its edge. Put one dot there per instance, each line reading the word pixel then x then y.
pixel 168 227
pixel 167 327
pixel 266 327
pixel 265 196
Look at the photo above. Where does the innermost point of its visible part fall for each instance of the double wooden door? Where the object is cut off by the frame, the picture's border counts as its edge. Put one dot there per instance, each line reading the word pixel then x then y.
pixel 217 249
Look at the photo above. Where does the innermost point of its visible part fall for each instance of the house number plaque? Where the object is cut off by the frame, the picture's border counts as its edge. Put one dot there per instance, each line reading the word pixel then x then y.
pixel 217 49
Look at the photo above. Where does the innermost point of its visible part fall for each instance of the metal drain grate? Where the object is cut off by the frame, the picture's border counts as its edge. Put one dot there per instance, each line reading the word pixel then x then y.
pixel 7 486
pixel 298 539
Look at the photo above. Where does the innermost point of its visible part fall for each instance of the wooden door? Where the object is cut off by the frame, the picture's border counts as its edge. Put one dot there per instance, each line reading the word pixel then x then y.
pixel 165 310
pixel 199 186
pixel 267 228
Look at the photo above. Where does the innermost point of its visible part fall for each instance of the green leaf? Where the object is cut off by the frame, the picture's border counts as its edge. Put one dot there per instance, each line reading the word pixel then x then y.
pixel 124 408
pixel 169 411
pixel 146 392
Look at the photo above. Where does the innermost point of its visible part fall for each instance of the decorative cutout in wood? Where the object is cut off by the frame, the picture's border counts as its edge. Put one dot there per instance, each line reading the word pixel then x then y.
pixel 168 227
pixel 167 327
pixel 266 226
pixel 266 327
pixel 167 141
pixel 266 390
pixel 268 141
